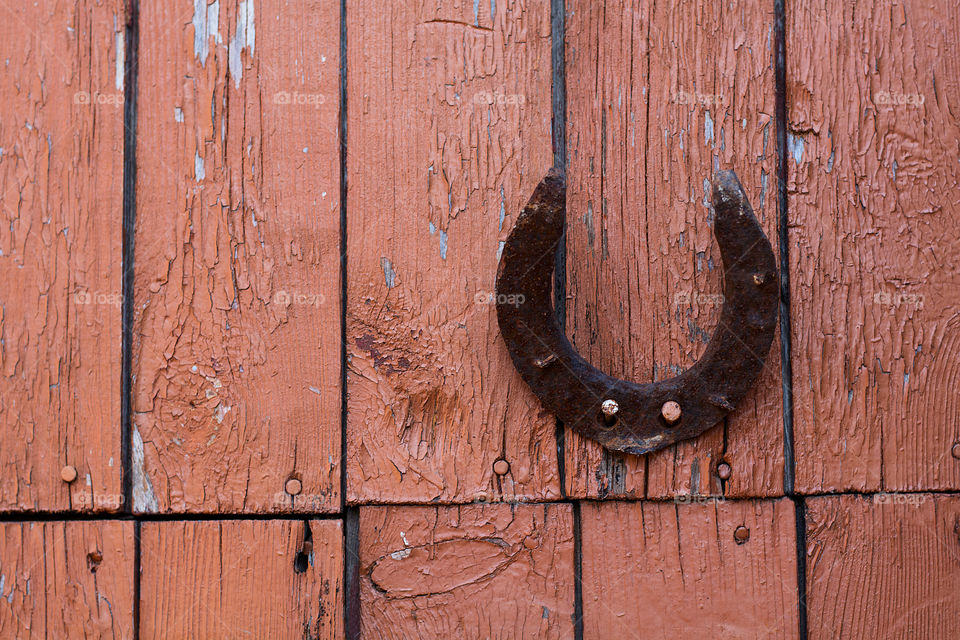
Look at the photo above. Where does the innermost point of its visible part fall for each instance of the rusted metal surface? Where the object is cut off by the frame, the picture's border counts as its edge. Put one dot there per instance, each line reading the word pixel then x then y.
pixel 619 414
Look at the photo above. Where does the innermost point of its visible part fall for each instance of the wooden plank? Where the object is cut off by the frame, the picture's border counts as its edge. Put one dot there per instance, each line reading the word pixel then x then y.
pixel 237 333
pixel 449 131
pixel 242 578
pixel 66 579
pixel 886 566
pixel 666 570
pixel 61 172
pixel 662 96
pixel 874 211
pixel 439 572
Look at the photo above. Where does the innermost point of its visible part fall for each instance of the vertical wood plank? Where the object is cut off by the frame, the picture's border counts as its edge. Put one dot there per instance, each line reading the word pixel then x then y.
pixel 237 336
pixel 665 570
pixel 663 95
pixel 66 580
pixel 447 572
pixel 61 171
pixel 874 89
pixel 242 578
pixel 883 567
pixel 449 131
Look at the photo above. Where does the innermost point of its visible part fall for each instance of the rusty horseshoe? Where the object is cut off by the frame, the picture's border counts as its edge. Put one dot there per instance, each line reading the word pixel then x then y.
pixel 619 414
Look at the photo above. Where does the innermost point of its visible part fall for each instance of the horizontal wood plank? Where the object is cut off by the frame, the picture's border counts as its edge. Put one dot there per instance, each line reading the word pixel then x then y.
pixel 700 569
pixel 886 566
pixel 66 579
pixel 472 571
pixel 242 578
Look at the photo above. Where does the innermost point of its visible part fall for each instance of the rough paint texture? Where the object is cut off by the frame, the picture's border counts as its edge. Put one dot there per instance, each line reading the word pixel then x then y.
pixel 61 167
pixel 474 571
pixel 665 570
pixel 883 567
pixel 66 580
pixel 874 208
pixel 237 335
pixel 660 96
pixel 241 579
pixel 449 131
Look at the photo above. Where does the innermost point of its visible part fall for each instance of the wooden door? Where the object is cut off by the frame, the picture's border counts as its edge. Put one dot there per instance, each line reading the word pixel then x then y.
pixel 252 378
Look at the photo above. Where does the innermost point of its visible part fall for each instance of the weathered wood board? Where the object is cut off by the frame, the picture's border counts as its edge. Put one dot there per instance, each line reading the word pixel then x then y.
pixel 659 96
pixel 61 191
pixel 873 93
pixel 886 566
pixel 666 570
pixel 471 571
pixel 66 580
pixel 242 578
pixel 237 330
pixel 448 120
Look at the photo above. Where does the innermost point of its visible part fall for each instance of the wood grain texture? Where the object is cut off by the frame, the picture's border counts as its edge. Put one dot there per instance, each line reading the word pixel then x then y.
pixel 449 131
pixel 241 579
pixel 874 92
pixel 658 98
pixel 883 567
pixel 237 335
pixel 666 570
pixel 61 169
pixel 473 571
pixel 66 580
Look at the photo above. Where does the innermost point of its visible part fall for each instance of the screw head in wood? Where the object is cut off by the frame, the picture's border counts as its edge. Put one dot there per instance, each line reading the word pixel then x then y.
pixel 671 411
pixel 501 467
pixel 68 473
pixel 293 487
pixel 741 534
pixel 955 452
pixel 724 471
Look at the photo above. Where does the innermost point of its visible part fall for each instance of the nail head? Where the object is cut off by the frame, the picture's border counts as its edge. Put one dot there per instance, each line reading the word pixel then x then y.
pixel 741 534
pixel 293 487
pixel 724 471
pixel 610 408
pixel 671 411
pixel 501 467
pixel 759 279
pixel 68 473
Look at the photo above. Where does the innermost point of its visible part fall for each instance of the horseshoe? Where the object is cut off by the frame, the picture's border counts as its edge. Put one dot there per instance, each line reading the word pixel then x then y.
pixel 619 414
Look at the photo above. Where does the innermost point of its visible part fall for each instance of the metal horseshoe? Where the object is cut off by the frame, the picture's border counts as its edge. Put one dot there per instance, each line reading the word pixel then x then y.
pixel 619 414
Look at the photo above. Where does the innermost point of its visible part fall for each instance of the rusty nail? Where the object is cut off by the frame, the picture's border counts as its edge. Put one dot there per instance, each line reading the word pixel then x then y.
pixel 307 547
pixel 741 534
pixel 501 467
pixel 293 486
pixel 955 452
pixel 610 408
pixel 758 279
pixel 670 411
pixel 543 362
pixel 724 470
pixel 68 473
